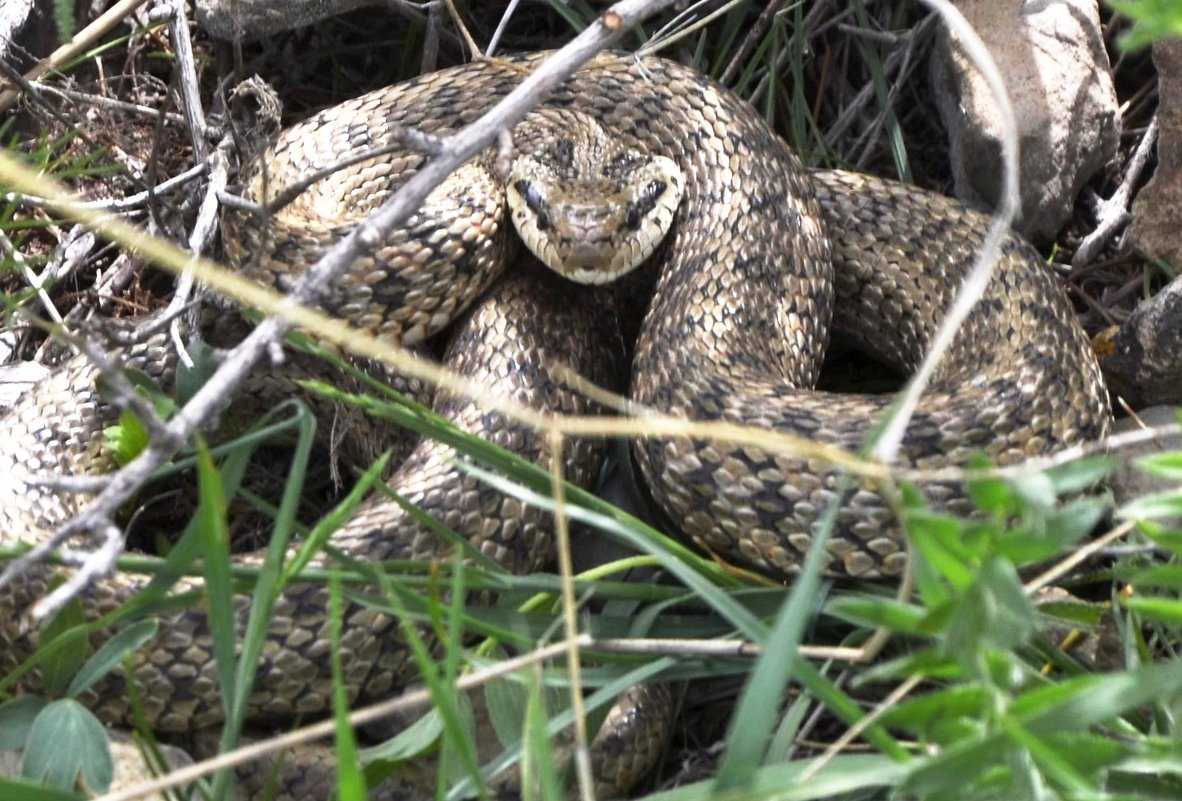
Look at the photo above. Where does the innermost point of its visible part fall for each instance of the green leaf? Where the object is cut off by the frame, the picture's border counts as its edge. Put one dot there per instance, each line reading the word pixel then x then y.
pixel 1155 19
pixel 1072 705
pixel 19 790
pixel 918 713
pixel 1081 474
pixel 539 770
pixel 190 378
pixel 67 747
pixel 796 781
pixel 506 700
pixel 1063 526
pixel 993 612
pixel 350 782
pixel 1088 752
pixel 61 663
pixel 1075 613
pixel 992 495
pixel 126 440
pixel 1164 576
pixel 16 717
pixel 111 654
pixel 415 740
pixel 1166 610
pixel 869 610
pixel 215 549
pixel 939 540
pixel 755 717
pixel 1169 539
pixel 1164 465
pixel 1154 506
pixel 1036 489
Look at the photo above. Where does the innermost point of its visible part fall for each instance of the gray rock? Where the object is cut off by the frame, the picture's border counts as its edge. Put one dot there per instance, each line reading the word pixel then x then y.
pixel 253 19
pixel 1143 363
pixel 1157 211
pixel 1052 58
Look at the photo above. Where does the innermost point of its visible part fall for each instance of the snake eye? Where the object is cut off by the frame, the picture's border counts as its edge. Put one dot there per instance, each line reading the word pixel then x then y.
pixel 621 165
pixel 645 202
pixel 534 200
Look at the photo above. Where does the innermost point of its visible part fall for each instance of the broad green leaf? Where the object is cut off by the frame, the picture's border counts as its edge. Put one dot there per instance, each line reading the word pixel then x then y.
pixel 1155 19
pixel 16 718
pixel 1064 526
pixel 938 539
pixel 1169 539
pixel 506 699
pixel 415 740
pixel 67 747
pixel 1036 489
pixel 19 790
pixel 190 378
pixel 1088 752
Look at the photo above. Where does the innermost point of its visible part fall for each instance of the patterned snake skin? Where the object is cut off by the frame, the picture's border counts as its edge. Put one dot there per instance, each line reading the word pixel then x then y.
pixel 762 260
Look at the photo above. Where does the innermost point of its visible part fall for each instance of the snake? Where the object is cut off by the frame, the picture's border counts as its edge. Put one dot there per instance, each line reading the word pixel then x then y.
pixel 748 263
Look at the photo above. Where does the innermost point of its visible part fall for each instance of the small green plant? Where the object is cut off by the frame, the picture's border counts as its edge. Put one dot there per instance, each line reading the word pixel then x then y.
pixel 1152 20
pixel 62 744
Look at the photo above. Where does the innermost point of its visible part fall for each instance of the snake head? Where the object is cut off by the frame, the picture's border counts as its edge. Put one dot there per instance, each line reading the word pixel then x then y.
pixel 592 214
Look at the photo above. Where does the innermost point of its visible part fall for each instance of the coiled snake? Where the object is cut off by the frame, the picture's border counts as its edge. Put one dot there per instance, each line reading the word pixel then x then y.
pixel 762 257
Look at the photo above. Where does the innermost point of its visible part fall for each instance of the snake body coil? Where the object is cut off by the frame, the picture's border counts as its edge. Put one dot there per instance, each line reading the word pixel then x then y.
pixel 761 259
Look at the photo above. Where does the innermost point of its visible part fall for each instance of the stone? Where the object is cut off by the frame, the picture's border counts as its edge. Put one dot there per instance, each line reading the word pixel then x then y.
pixel 1051 56
pixel 1142 361
pixel 1157 211
pixel 254 19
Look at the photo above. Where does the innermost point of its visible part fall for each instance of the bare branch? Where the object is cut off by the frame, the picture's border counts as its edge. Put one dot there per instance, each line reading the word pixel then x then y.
pixel 118 204
pixel 1112 214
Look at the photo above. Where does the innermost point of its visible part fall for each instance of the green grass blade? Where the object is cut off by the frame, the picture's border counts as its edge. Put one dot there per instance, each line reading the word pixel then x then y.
pixel 215 548
pixel 350 783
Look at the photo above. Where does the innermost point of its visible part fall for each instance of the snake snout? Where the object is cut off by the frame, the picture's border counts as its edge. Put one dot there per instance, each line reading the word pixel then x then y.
pixel 597 226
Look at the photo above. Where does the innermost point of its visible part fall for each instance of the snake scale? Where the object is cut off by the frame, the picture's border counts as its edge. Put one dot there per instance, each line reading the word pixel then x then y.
pixel 761 260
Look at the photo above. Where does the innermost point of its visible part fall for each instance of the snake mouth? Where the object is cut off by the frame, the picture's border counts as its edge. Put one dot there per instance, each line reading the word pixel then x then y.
pixel 590 258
